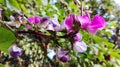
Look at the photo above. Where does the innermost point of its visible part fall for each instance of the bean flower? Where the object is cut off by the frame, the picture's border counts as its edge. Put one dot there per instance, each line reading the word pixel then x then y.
pixel 79 46
pixel 34 20
pixel 53 25
pixel 71 24
pixel 77 37
pixel 15 51
pixel 62 55
pixel 98 23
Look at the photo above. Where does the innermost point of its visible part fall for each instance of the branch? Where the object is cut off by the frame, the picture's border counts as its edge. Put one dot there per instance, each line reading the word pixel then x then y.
pixel 33 32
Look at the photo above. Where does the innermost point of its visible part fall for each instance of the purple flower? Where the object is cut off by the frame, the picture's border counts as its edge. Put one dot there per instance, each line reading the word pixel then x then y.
pixel 71 24
pixel 54 25
pixel 98 23
pixel 69 21
pixel 44 22
pixel 84 20
pixel 79 46
pixel 62 55
pixel 77 37
pixel 50 27
pixel 15 51
pixel 35 19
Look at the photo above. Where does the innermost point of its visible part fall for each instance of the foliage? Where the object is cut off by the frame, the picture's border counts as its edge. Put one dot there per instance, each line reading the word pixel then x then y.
pixel 7 38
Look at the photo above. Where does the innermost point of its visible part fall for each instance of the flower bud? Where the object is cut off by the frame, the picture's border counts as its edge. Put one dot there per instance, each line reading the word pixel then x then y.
pixel 78 37
pixel 62 55
pixel 79 46
pixel 15 51
pixel 34 20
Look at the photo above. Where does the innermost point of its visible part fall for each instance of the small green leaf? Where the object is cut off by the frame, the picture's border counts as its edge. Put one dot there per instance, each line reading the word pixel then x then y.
pixel 24 8
pixel 14 3
pixel 6 39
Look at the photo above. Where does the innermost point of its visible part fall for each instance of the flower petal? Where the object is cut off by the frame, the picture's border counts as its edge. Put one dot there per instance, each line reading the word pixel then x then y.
pixel 56 24
pixel 50 27
pixel 37 19
pixel 44 22
pixel 78 37
pixel 98 23
pixel 69 21
pixel 62 55
pixel 84 20
pixel 32 20
pixel 15 51
pixel 80 46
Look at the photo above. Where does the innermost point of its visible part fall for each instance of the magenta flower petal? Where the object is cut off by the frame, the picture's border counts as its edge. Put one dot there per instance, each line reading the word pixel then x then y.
pixel 15 51
pixel 79 46
pixel 62 55
pixel 84 20
pixel 78 37
pixel 32 20
pixel 69 21
pixel 98 23
pixel 35 19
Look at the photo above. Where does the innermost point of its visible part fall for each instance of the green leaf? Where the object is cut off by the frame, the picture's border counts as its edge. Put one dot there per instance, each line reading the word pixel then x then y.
pixel 101 57
pixel 24 8
pixel 6 39
pixel 12 4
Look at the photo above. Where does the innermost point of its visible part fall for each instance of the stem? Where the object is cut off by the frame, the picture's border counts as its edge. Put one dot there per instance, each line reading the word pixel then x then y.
pixel 77 2
pixel 33 32
pixel 81 7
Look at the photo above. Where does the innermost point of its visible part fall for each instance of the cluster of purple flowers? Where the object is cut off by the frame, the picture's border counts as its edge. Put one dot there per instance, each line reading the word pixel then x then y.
pixel 72 23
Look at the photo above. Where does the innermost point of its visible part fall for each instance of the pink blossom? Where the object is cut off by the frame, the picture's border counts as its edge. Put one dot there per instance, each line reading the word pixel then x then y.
pixel 71 24
pixel 98 23
pixel 84 20
pixel 69 21
pixel 35 19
